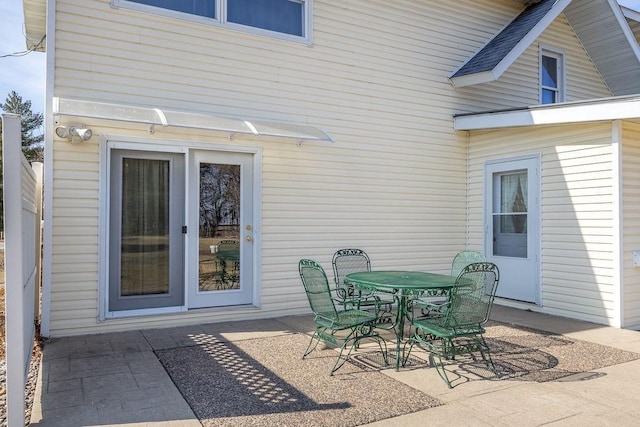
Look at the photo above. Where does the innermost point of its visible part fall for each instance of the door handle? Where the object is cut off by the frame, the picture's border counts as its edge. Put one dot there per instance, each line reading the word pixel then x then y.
pixel 249 239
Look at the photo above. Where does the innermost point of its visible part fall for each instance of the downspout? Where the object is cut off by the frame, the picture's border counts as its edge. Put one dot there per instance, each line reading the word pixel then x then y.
pixel 47 237
pixel 618 226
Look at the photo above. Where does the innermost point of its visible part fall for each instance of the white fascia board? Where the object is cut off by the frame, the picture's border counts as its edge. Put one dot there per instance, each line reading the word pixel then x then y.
pixel 473 79
pixel 553 115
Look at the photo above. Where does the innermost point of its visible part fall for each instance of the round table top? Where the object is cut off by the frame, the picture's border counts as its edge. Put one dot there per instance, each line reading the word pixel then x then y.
pixel 401 280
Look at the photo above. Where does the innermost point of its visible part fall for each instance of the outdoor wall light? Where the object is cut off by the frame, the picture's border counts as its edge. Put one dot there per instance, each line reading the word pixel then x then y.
pixel 74 134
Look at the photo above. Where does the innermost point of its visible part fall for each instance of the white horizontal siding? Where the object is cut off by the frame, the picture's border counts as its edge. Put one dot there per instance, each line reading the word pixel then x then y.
pixel 577 212
pixel 394 183
pixel 631 224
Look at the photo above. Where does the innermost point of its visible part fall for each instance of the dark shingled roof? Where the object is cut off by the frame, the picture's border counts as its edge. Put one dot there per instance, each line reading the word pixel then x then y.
pixel 500 46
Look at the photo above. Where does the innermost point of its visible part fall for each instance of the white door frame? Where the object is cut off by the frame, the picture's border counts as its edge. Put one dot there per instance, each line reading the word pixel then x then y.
pixel 110 142
pixel 519 277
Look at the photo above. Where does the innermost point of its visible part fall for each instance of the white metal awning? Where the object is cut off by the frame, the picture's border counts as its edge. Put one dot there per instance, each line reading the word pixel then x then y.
pixel 158 117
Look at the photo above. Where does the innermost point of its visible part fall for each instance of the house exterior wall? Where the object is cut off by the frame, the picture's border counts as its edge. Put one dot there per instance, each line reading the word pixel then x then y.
pixel 631 223
pixel 578 275
pixel 394 183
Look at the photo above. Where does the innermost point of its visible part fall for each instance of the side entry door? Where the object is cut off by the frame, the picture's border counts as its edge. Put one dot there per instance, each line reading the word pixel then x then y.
pixel 512 231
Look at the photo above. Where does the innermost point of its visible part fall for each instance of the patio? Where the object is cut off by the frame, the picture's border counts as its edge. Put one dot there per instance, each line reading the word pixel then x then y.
pixel 172 377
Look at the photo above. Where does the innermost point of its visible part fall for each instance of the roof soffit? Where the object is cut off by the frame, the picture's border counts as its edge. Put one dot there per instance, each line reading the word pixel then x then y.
pixel 35 22
pixel 610 42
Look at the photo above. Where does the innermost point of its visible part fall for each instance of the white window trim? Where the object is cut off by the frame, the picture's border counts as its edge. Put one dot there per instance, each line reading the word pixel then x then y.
pixel 560 56
pixel 221 20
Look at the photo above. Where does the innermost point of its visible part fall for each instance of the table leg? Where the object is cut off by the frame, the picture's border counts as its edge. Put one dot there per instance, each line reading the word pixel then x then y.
pixel 402 312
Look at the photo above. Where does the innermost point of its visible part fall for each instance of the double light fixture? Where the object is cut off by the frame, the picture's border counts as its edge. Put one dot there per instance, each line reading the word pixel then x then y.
pixel 75 135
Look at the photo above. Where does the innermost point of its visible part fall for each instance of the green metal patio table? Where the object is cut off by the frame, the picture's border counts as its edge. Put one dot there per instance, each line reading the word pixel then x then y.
pixel 403 285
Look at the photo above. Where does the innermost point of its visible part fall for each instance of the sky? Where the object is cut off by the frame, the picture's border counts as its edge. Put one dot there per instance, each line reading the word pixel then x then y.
pixel 25 74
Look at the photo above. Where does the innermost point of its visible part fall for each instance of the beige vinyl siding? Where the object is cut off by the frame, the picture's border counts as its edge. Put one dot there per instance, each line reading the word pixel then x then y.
pixel 576 212
pixel 394 183
pixel 631 224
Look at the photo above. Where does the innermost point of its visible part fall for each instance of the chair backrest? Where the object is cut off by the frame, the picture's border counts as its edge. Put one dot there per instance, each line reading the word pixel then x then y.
pixel 464 258
pixel 472 296
pixel 316 285
pixel 346 261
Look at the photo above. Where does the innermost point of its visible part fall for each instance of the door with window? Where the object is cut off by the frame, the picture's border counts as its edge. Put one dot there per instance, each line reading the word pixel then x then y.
pixel 221 248
pixel 512 226
pixel 146 243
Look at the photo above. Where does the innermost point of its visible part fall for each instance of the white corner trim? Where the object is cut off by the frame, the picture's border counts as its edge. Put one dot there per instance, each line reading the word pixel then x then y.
pixel 47 229
pixel 618 222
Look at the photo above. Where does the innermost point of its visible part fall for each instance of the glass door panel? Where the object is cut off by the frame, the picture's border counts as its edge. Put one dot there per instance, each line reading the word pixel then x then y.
pixel 221 255
pixel 510 214
pixel 144 255
pixel 146 243
pixel 219 228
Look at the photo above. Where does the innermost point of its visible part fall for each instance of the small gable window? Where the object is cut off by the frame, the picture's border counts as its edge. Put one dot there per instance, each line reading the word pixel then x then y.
pixel 287 19
pixel 551 76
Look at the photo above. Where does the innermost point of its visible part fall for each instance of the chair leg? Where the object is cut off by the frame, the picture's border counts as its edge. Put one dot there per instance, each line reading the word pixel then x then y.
pixel 440 368
pixel 405 354
pixel 486 355
pixel 314 338
pixel 355 339
pixel 382 343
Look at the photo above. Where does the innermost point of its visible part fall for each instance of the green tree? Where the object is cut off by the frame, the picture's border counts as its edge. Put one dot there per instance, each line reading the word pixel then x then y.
pixel 32 136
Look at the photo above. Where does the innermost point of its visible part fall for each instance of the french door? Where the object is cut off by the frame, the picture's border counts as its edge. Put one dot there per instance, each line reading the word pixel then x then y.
pixel 177 216
pixel 512 231
pixel 221 248
pixel 146 255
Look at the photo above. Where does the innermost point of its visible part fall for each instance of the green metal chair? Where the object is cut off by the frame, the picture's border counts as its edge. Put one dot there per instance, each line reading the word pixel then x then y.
pixel 433 306
pixel 460 328
pixel 464 258
pixel 346 261
pixel 229 264
pixel 333 327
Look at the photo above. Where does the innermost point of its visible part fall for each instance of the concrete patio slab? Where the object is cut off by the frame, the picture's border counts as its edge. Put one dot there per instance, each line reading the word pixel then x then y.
pixel 116 379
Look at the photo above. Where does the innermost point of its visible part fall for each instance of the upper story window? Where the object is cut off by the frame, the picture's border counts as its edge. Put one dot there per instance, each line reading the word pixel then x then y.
pixel 551 76
pixel 288 19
